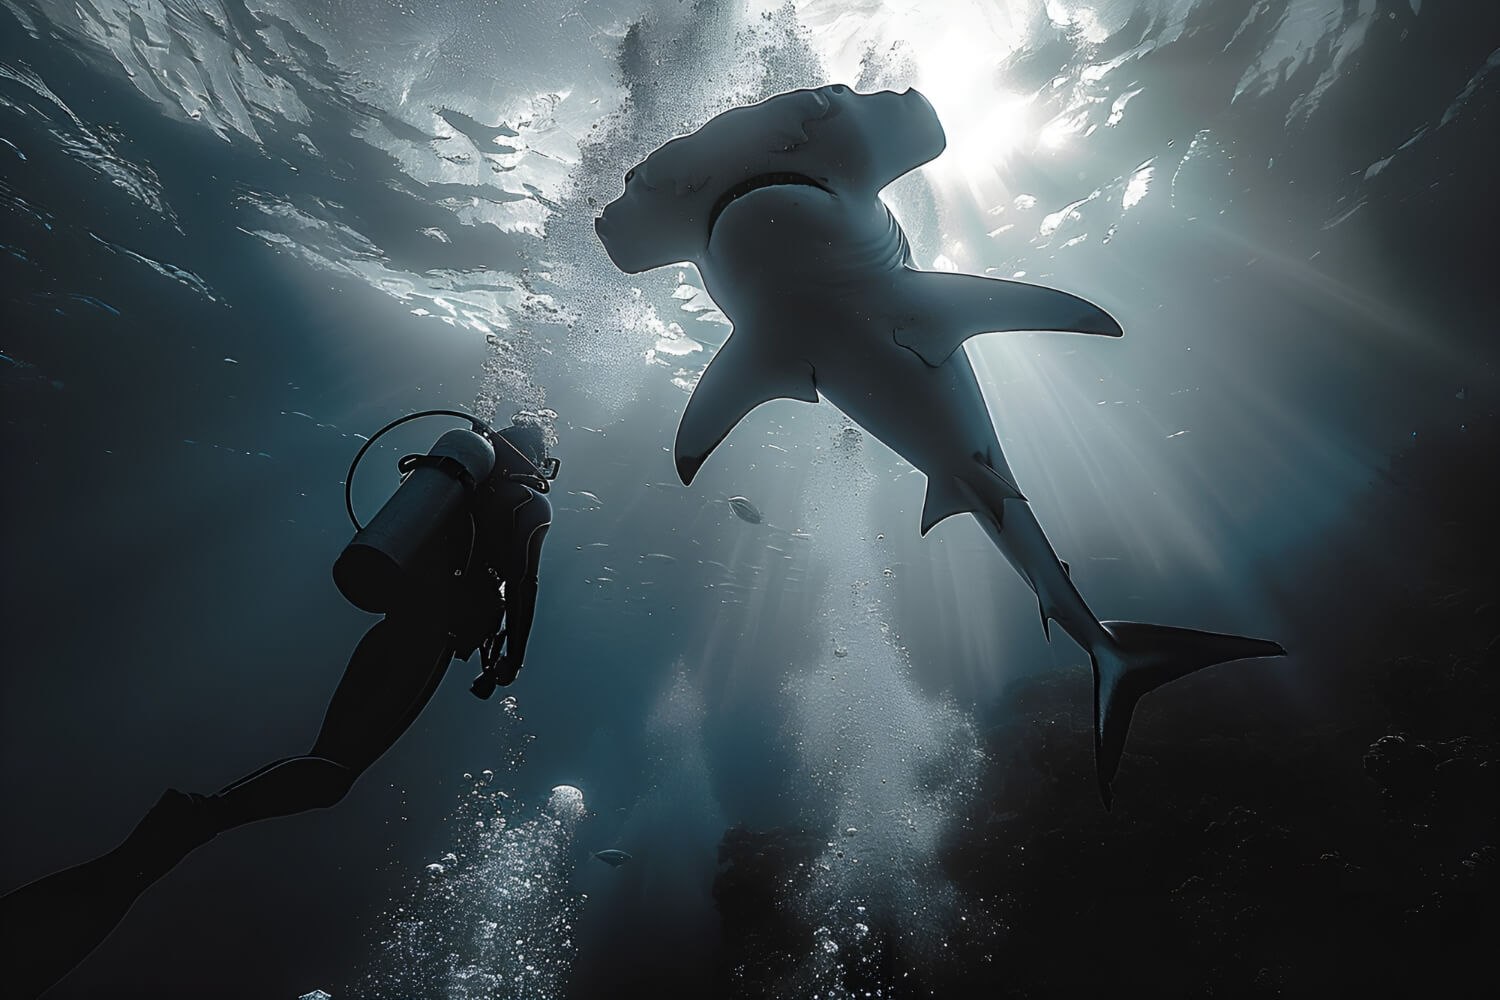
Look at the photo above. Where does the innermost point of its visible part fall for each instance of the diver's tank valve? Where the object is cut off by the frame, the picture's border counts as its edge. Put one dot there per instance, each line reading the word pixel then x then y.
pixel 423 534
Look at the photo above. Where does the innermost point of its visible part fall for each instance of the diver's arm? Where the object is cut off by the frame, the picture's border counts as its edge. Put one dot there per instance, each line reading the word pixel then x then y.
pixel 521 576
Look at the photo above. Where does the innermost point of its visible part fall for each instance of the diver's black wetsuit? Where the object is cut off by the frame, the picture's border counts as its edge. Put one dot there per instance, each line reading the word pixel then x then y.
pixel 508 549
pixel 51 924
pixel 399 663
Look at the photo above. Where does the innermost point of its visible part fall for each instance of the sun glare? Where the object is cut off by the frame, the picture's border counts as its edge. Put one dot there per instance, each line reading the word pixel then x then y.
pixel 984 124
pixel 957 69
pixel 955 61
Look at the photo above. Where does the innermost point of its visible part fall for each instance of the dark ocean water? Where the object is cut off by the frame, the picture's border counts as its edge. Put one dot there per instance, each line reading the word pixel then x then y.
pixel 238 236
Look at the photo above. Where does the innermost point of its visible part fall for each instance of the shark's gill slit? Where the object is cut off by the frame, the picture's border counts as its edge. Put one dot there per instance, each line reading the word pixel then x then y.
pixel 749 184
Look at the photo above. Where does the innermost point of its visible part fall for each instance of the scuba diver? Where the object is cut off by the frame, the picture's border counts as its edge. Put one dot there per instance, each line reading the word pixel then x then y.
pixel 451 562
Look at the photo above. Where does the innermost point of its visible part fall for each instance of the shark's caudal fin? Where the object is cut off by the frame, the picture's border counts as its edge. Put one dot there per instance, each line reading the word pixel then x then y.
pixel 1142 658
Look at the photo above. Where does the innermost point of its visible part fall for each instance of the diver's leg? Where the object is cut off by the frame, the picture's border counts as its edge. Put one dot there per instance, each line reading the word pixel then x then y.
pixel 52 924
pixel 391 676
pixel 364 720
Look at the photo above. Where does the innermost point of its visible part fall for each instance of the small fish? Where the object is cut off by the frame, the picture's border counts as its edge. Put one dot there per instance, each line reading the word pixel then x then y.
pixel 744 509
pixel 612 857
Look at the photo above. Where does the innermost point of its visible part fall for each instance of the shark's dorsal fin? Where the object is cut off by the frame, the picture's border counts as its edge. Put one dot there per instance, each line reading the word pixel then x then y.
pixel 741 376
pixel 949 308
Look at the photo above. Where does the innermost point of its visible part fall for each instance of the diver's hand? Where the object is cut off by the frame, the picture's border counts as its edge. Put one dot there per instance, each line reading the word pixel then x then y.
pixel 506 670
pixel 501 674
pixel 483 686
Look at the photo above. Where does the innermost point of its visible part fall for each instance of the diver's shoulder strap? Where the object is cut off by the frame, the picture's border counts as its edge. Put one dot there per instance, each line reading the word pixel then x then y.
pixel 446 463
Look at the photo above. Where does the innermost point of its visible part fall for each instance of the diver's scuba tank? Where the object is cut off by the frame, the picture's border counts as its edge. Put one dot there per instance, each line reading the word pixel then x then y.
pixel 422 537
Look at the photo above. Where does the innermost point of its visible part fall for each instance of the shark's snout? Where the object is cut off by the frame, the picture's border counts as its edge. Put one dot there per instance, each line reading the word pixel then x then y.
pixel 602 229
pixel 632 245
pixel 607 227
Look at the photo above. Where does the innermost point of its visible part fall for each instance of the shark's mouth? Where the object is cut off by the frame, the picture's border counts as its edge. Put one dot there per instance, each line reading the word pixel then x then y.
pixel 749 184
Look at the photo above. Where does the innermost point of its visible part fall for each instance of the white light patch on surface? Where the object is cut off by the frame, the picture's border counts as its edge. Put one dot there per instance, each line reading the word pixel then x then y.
pixel 1137 186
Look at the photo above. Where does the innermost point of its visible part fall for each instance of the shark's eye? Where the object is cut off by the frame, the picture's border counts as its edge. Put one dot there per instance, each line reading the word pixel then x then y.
pixel 630 175
pixel 838 88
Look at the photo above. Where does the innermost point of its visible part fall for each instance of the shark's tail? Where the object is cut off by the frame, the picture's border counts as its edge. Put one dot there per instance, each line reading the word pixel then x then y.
pixel 1144 657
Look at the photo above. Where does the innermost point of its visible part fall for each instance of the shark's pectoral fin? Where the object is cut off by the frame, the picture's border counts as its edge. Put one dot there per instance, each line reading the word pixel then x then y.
pixel 739 378
pixel 945 309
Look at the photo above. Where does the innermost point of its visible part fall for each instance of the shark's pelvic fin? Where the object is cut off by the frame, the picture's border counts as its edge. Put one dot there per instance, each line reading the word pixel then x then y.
pixel 1143 657
pixel 953 495
pixel 951 308
pixel 1047 622
pixel 946 496
pixel 739 378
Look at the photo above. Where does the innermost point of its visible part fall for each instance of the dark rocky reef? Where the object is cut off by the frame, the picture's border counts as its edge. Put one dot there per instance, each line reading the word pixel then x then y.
pixel 1321 826
pixel 764 937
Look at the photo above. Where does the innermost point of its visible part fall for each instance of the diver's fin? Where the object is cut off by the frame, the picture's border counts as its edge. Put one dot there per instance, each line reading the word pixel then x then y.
pixel 1141 658
pixel 738 379
pixel 947 309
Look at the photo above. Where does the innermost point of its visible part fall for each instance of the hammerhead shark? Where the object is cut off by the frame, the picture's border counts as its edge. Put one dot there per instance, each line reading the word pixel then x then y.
pixel 778 206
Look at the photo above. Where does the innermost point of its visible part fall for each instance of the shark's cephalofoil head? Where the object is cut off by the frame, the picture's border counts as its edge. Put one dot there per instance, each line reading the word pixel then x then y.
pixel 830 137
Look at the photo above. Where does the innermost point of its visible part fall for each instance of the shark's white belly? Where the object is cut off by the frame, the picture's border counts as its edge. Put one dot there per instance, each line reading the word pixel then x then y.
pixel 796 247
pixel 935 418
pixel 820 277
